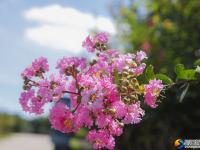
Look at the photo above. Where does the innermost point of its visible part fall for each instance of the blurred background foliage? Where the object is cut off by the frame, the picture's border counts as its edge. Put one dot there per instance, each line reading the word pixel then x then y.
pixel 14 123
pixel 168 30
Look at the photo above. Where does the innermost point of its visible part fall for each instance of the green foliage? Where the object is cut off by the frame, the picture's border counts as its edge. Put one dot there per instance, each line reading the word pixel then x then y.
pixel 197 62
pixel 78 142
pixel 164 78
pixel 185 74
pixel 169 33
pixel 81 133
pixel 149 73
pixel 14 123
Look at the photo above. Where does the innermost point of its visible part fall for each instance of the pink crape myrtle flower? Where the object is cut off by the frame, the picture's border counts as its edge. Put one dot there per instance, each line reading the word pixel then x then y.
pixel 73 97
pixel 30 103
pixel 101 139
pixel 120 62
pixel 101 37
pixel 87 80
pixel 107 122
pixel 140 56
pixel 38 65
pixel 28 72
pixel 103 120
pixel 44 91
pixel 150 100
pixel 99 67
pixel 61 118
pixel 108 55
pixel 25 96
pixel 66 62
pixel 83 118
pixel 152 91
pixel 92 99
pixel 89 44
pixel 139 70
pixel 120 108
pixel 58 85
pixel 134 113
pixel 104 92
pixel 115 128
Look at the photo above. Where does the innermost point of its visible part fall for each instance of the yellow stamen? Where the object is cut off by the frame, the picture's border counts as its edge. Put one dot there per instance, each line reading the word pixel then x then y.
pixel 68 123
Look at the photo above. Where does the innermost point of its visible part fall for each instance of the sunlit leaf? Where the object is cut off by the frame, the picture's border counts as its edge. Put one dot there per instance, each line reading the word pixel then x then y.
pixel 197 62
pixel 164 78
pixel 149 73
pixel 179 68
pixel 185 74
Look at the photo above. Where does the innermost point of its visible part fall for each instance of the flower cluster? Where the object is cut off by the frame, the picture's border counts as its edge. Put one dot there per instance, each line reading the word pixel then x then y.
pixel 38 67
pixel 152 91
pixel 105 94
pixel 98 42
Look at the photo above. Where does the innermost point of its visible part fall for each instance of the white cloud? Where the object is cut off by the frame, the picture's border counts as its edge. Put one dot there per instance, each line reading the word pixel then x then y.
pixel 63 28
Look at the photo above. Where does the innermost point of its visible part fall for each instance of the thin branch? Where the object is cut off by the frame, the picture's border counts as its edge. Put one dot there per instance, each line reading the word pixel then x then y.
pixel 71 92
pixel 76 107
pixel 34 82
pixel 179 83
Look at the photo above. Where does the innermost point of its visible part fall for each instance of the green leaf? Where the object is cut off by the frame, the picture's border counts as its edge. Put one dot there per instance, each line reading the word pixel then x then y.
pixel 185 74
pixel 164 78
pixel 190 74
pixel 197 62
pixel 179 68
pixel 149 73
pixel 184 92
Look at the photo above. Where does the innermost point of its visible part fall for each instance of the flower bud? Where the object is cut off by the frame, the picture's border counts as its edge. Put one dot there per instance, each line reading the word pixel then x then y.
pixel 123 89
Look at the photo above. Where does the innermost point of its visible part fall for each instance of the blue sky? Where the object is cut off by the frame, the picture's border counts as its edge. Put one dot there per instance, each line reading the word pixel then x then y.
pixel 23 37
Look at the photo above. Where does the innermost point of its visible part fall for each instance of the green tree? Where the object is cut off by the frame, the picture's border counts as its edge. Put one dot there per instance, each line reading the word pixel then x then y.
pixel 168 30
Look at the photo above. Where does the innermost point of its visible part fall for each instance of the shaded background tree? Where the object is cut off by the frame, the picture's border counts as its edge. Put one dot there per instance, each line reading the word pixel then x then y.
pixel 168 30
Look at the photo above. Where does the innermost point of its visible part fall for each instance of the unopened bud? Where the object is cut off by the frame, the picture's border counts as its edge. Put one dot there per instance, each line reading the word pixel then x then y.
pixel 26 87
pixel 113 110
pixel 133 97
pixel 125 82
pixel 125 74
pixel 133 64
pixel 104 47
pixel 93 62
pixel 131 87
pixel 126 100
pixel 97 44
pixel 134 80
pixel 124 89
